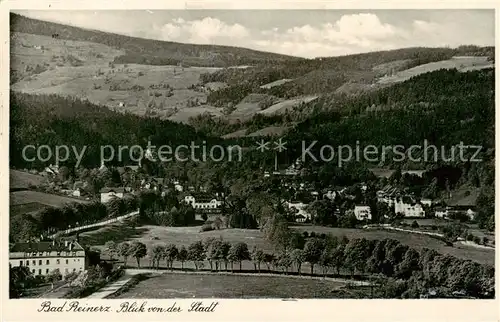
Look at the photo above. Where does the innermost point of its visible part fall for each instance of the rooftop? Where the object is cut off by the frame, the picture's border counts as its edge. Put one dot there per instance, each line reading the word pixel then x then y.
pixel 116 190
pixel 202 197
pixel 45 246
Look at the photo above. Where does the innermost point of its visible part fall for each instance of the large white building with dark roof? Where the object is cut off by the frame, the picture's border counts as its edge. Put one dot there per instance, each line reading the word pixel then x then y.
pixel 45 256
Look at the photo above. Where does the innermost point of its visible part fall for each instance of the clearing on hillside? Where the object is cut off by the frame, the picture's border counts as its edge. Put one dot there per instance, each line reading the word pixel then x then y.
pixel 289 104
pixel 461 63
pixel 276 83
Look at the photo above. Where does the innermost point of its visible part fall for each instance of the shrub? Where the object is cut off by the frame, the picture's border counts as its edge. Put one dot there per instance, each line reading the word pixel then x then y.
pixel 414 224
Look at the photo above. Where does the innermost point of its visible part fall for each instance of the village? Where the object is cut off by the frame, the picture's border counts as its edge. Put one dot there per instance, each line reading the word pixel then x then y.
pixel 305 206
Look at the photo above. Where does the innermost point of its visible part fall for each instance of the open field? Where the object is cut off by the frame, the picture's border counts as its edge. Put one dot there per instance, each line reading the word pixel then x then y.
pixel 22 180
pixel 484 256
pixel 462 63
pixel 176 235
pixel 183 236
pixel 27 197
pixel 228 286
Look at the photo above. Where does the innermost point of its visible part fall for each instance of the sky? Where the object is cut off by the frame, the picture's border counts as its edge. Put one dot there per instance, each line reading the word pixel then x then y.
pixel 304 33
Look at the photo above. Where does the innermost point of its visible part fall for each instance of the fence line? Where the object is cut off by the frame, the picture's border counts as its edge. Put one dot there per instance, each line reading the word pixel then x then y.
pixel 98 224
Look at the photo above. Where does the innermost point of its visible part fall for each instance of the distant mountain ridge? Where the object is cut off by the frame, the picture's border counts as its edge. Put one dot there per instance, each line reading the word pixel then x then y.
pixel 149 51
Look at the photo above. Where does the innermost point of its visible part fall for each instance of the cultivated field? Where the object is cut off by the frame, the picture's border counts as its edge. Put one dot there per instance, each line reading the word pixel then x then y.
pixel 229 286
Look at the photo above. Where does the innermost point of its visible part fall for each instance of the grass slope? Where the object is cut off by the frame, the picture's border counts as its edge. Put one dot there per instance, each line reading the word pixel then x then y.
pixel 26 197
pixel 22 180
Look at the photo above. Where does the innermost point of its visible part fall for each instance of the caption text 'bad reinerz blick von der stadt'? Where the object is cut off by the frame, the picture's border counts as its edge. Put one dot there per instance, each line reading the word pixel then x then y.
pixel 127 307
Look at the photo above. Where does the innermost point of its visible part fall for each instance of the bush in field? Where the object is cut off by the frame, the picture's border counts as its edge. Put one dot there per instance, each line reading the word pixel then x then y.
pixel 206 227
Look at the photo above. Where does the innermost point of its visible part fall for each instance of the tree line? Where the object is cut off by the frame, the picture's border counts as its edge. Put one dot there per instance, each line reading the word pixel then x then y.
pixel 416 271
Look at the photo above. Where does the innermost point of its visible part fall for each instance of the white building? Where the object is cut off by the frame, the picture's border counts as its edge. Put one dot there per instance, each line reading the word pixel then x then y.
pixel 300 210
pixel 300 218
pixel 44 257
pixel 362 212
pixel 441 213
pixel 408 208
pixel 330 195
pixel 110 193
pixel 426 202
pixel 202 201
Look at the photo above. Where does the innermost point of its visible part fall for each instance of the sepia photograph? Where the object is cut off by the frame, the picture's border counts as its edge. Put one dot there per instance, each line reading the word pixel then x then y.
pixel 250 154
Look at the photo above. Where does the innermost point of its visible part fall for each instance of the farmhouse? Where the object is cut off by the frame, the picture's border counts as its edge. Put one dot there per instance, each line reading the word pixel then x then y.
pixel 108 194
pixel 362 212
pixel 46 256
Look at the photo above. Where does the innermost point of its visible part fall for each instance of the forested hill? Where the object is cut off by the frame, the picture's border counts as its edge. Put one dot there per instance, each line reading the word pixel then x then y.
pixel 444 107
pixel 53 120
pixel 148 51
